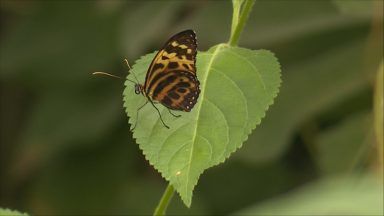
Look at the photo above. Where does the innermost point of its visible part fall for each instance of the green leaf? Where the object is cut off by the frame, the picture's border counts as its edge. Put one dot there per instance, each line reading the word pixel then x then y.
pixel 355 7
pixel 237 87
pixel 6 212
pixel 351 138
pixel 378 115
pixel 332 196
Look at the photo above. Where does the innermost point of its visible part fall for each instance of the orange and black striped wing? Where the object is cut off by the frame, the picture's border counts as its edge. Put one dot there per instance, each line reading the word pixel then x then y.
pixel 179 90
pixel 171 78
pixel 178 52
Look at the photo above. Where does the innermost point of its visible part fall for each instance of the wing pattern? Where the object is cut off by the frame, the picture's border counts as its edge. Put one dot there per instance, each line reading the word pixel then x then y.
pixel 171 78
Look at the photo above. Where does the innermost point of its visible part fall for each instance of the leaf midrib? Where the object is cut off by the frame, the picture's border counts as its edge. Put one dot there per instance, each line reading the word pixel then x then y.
pixel 214 54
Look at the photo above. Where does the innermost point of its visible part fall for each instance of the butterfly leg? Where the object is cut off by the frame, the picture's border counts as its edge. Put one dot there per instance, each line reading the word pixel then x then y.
pixel 158 113
pixel 169 110
pixel 137 114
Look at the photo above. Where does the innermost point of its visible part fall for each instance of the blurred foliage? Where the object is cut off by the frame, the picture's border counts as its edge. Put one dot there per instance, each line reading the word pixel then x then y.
pixel 6 212
pixel 65 143
pixel 330 196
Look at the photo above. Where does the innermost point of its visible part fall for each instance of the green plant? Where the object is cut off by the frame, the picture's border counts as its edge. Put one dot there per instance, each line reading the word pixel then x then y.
pixel 6 212
pixel 66 148
pixel 237 87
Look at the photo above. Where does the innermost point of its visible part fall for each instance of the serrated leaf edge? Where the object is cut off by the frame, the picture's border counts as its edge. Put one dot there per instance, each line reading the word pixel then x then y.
pixel 273 94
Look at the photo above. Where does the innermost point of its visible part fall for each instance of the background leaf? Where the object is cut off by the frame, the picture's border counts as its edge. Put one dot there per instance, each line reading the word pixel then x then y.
pixel 352 138
pixel 237 87
pixel 7 212
pixel 332 196
pixel 342 79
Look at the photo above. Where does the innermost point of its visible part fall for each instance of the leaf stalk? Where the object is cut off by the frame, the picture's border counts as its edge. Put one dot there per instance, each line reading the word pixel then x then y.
pixel 241 11
pixel 378 116
pixel 161 208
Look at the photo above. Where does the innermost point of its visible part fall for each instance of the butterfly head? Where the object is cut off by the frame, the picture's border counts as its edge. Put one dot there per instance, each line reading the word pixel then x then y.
pixel 138 88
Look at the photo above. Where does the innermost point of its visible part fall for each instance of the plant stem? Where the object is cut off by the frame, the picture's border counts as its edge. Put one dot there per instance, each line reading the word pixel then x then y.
pixel 378 116
pixel 238 27
pixel 165 200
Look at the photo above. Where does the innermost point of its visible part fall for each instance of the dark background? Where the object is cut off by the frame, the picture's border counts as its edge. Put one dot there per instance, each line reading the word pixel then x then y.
pixel 66 147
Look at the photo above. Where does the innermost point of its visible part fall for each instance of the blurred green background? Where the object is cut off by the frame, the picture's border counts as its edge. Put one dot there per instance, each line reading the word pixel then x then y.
pixel 66 147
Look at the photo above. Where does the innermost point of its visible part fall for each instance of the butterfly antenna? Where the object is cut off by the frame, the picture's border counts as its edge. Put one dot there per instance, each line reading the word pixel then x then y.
pixel 106 74
pixel 110 75
pixel 129 70
pixel 126 62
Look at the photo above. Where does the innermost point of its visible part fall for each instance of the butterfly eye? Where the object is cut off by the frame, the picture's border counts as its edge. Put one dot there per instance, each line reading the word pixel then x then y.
pixel 137 89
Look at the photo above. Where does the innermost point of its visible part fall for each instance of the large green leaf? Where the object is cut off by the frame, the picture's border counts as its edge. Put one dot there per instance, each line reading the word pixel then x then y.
pixel 237 87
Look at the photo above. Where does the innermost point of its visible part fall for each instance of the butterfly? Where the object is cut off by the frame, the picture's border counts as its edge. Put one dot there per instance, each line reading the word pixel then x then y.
pixel 171 77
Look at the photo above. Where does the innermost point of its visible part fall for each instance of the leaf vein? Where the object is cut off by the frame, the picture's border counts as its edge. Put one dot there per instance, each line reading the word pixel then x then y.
pixel 238 88
pixel 210 146
pixel 226 123
pixel 174 154
pixel 250 63
pixel 214 54
pixel 168 137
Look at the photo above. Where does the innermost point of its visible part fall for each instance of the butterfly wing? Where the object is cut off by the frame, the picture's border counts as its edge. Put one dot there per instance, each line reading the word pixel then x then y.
pixel 171 78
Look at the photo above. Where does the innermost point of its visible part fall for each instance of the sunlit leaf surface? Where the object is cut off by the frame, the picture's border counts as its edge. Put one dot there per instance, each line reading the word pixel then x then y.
pixel 237 87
